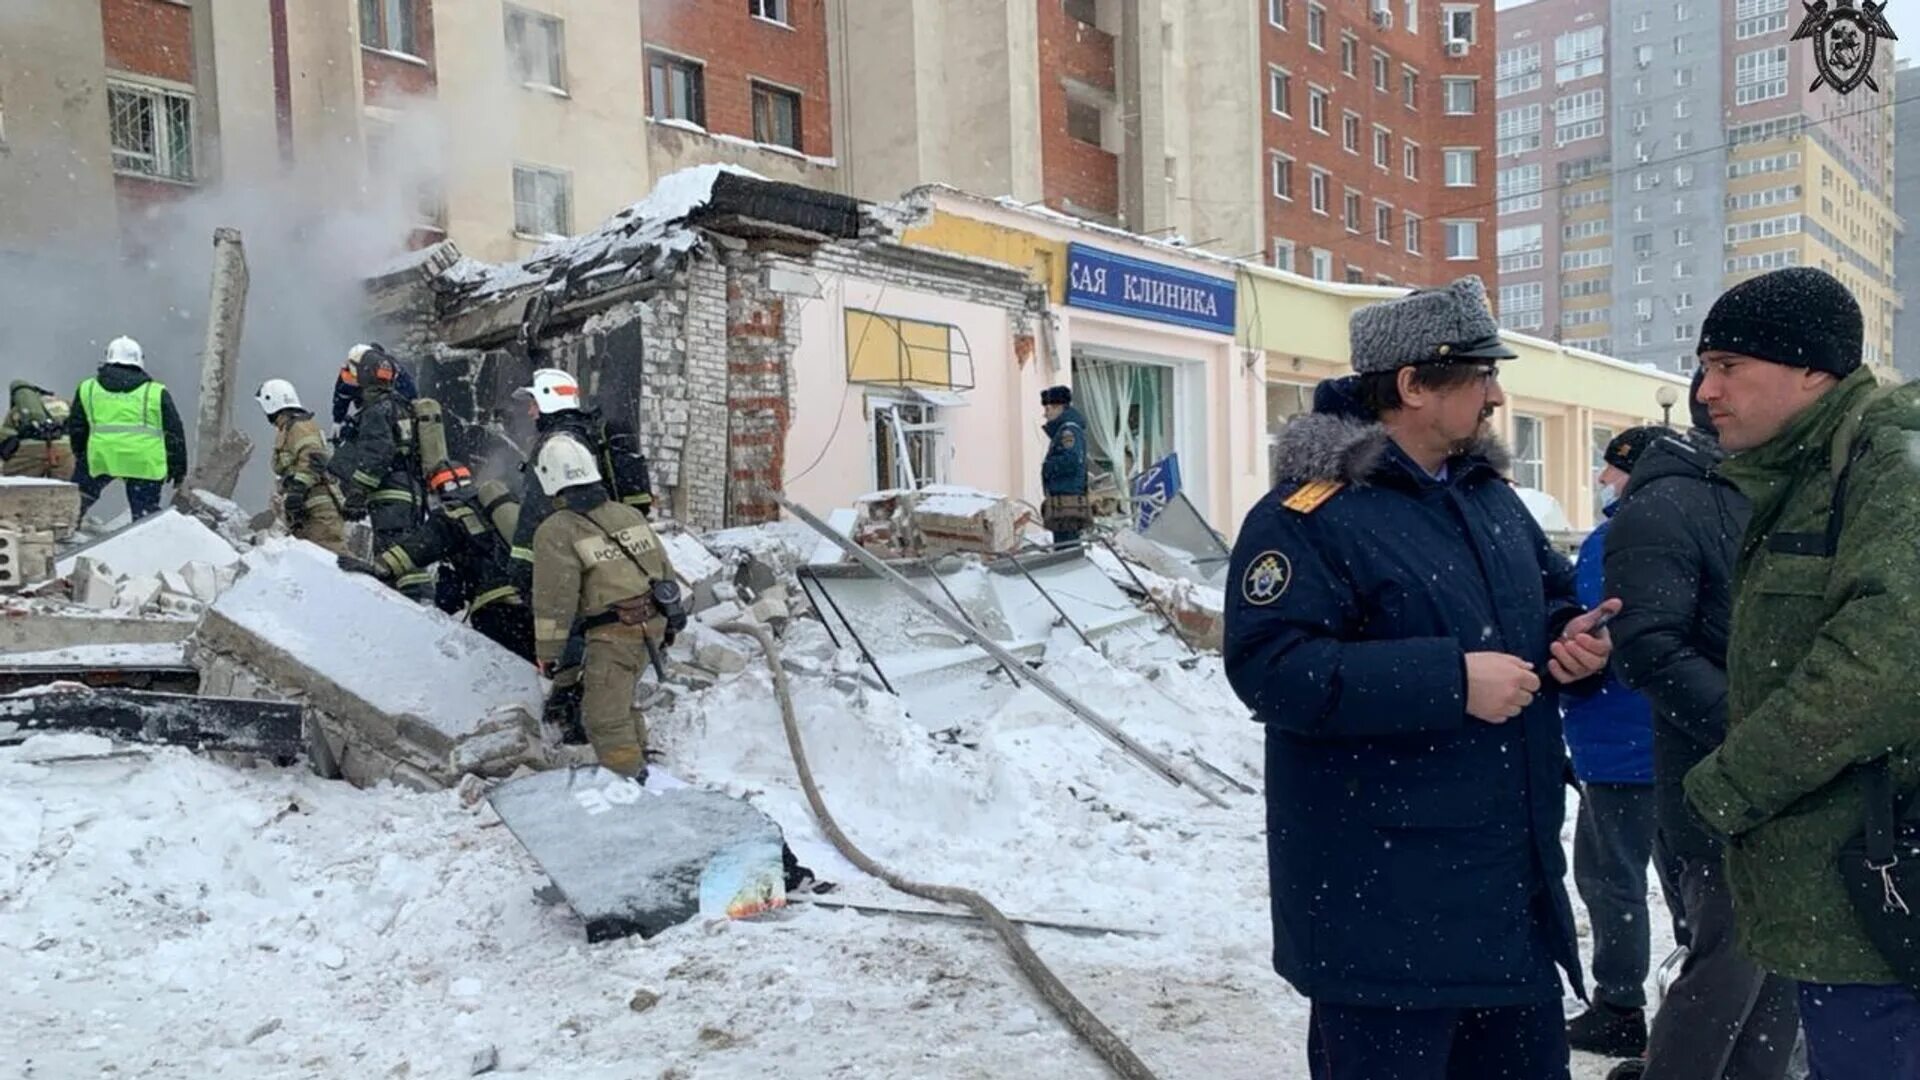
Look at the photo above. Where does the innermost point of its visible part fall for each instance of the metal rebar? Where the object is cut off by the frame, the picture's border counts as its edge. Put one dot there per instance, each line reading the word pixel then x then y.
pixel 1048 597
pixel 1148 593
pixel 955 601
pixel 801 575
pixel 865 654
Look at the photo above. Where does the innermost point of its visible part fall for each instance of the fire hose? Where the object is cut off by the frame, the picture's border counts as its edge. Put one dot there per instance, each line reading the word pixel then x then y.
pixel 1101 1039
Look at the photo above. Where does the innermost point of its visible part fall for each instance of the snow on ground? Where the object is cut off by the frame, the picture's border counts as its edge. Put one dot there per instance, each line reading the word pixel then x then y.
pixel 162 915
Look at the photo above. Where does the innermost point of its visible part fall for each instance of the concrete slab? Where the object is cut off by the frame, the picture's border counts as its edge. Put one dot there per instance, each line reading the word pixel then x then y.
pixel 401 692
pixel 168 540
pixel 633 860
pixel 33 505
pixel 34 627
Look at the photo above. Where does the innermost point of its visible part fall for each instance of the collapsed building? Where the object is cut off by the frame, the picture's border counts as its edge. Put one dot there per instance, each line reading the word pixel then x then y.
pixel 682 313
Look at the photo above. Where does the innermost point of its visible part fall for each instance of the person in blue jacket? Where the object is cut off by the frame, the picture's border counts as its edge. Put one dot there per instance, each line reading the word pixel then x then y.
pixel 1063 472
pixel 1610 736
pixel 1401 626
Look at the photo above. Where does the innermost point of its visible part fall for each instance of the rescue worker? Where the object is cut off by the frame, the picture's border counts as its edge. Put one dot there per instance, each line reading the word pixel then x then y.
pixel 310 504
pixel 123 426
pixel 33 437
pixel 346 389
pixel 599 572
pixel 378 467
pixel 1063 474
pixel 554 400
pixel 467 534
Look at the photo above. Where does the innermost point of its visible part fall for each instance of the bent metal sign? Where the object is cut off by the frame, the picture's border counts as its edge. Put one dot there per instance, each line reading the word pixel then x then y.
pixel 1105 281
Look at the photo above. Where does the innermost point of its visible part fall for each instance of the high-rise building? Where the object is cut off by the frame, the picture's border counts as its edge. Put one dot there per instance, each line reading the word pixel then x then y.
pixel 1712 162
pixel 1906 200
pixel 1378 126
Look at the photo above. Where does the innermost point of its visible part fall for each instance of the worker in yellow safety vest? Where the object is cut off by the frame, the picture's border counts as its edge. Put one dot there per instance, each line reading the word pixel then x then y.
pixel 123 426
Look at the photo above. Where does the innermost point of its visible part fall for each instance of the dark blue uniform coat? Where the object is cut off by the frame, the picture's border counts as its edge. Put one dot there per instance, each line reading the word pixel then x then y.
pixel 1064 470
pixel 1414 852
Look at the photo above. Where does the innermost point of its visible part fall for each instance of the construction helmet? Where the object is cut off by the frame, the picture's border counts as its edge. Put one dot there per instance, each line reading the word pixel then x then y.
pixel 275 395
pixel 371 366
pixel 126 351
pixel 564 463
pixel 552 391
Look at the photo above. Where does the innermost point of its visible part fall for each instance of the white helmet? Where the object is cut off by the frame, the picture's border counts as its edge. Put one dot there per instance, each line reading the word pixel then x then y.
pixel 275 395
pixel 125 350
pixel 565 463
pixel 552 391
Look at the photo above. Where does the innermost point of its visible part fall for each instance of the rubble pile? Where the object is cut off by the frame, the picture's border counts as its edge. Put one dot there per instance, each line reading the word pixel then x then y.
pixel 939 520
pixel 35 515
pixel 167 564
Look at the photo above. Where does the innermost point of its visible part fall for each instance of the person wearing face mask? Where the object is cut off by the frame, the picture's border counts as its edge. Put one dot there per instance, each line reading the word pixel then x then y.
pixel 1402 628
pixel 1610 737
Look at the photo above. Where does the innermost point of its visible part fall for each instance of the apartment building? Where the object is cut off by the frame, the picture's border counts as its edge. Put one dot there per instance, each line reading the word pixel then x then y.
pixel 1906 199
pixel 1716 163
pixel 1378 127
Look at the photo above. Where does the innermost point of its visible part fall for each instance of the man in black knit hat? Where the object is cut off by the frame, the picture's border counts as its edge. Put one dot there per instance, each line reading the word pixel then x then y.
pixel 1822 682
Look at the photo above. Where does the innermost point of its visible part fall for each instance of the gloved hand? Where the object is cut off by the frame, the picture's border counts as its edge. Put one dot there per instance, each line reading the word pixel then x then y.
pixel 357 566
pixel 354 509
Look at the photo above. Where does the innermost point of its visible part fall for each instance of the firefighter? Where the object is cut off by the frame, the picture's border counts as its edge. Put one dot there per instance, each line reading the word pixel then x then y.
pixel 554 400
pixel 346 390
pixel 310 503
pixel 599 575
pixel 123 426
pixel 378 467
pixel 467 534
pixel 33 437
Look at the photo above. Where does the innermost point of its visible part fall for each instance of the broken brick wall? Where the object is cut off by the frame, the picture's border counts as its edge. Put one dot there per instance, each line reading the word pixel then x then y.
pixel 761 342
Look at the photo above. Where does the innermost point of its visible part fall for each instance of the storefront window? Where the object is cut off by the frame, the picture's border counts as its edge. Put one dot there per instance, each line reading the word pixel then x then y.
pixel 908 440
pixel 1529 452
pixel 1129 411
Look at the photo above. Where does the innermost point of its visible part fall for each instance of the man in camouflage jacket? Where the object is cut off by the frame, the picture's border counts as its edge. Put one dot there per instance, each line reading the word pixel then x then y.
pixel 1824 654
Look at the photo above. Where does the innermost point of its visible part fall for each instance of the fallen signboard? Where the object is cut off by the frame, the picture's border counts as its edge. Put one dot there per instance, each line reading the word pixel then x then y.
pixel 271 729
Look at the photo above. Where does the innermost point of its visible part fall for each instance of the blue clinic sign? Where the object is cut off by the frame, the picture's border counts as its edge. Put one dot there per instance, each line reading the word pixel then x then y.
pixel 1104 281
pixel 1154 489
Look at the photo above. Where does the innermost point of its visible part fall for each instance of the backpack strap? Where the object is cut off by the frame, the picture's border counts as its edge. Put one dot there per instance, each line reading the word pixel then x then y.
pixel 1844 452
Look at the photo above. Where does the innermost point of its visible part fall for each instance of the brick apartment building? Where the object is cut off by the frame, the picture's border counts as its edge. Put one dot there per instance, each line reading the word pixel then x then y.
pixel 1377 125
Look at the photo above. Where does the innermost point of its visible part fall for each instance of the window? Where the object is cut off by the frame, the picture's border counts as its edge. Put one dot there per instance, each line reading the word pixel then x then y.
pixel 1277 12
pixel 1598 439
pixel 1349 55
pixel 1462 162
pixel 1459 24
pixel 1522 307
pixel 1683 301
pixel 1317 26
pixel 776 11
pixel 1590 287
pixel 1410 160
pixel 1643 275
pixel 1350 132
pixel 1646 180
pixel 1283 177
pixel 1643 55
pixel 1317 109
pixel 1579 116
pixel 1760 75
pixel 151 130
pixel 1682 269
pixel 1383 148
pixel 1683 236
pixel 1758 17
pixel 1683 140
pixel 1685 363
pixel 1317 189
pixel 1322 264
pixel 1383 223
pixel 1380 75
pixel 1283 255
pixel 776 118
pixel 1683 108
pixel 1529 451
pixel 1643 243
pixel 1083 119
pixel 1642 21
pixel 1519 188
pixel 1409 87
pixel 1518 130
pixel 542 201
pixel 1680 45
pixel 1583 230
pixel 1463 239
pixel 1586 259
pixel 1352 211
pixel 1517 70
pixel 1413 16
pixel 1639 86
pixel 387 25
pixel 1683 78
pixel 1520 248
pixel 1639 119
pixel 1642 337
pixel 1355 275
pixel 1579 54
pixel 1639 213
pixel 536 49
pixel 1459 96
pixel 1763 229
pixel 1683 331
pixel 1280 91
pixel 1412 225
pixel 1683 174
pixel 909 443
pixel 1643 309
pixel 1084 12
pixel 676 89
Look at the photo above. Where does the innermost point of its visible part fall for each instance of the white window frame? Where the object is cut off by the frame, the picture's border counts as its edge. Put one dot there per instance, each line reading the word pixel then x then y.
pixel 550 75
pixel 1450 19
pixel 1280 91
pixel 1349 51
pixel 1468 154
pixel 165 160
pixel 1410 224
pixel 777 12
pixel 1280 165
pixel 1320 191
pixel 1410 159
pixel 1382 72
pixel 1316 41
pixel 1277 14
pixel 529 228
pixel 1383 222
pixel 1449 85
pixel 1280 245
pixel 1472 233
pixel 1527 467
pixel 1410 86
pixel 1350 131
pixel 883 409
pixel 1350 212
pixel 1319 99
pixel 1318 257
pixel 392 15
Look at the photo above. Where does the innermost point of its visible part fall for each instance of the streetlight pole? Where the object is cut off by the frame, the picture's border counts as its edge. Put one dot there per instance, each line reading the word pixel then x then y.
pixel 1667 396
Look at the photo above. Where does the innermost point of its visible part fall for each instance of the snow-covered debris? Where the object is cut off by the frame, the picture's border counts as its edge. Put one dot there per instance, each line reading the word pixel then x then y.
pixel 30 505
pixel 165 541
pixel 400 691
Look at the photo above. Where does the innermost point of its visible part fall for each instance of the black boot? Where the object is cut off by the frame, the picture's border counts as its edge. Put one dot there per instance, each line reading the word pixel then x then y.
pixel 1632 1069
pixel 800 879
pixel 1609 1030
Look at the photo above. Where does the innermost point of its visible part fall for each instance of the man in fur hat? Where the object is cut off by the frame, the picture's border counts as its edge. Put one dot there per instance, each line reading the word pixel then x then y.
pixel 1401 626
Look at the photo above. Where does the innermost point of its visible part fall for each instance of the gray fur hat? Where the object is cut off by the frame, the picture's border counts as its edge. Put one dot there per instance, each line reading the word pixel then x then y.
pixel 1427 326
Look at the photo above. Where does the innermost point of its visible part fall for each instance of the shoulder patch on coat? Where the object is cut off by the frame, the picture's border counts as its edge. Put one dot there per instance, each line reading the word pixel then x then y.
pixel 1266 579
pixel 1310 495
pixel 1066 438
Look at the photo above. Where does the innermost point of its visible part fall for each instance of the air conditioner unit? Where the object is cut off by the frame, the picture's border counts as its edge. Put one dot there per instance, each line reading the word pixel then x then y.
pixel 1457 48
pixel 1383 18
